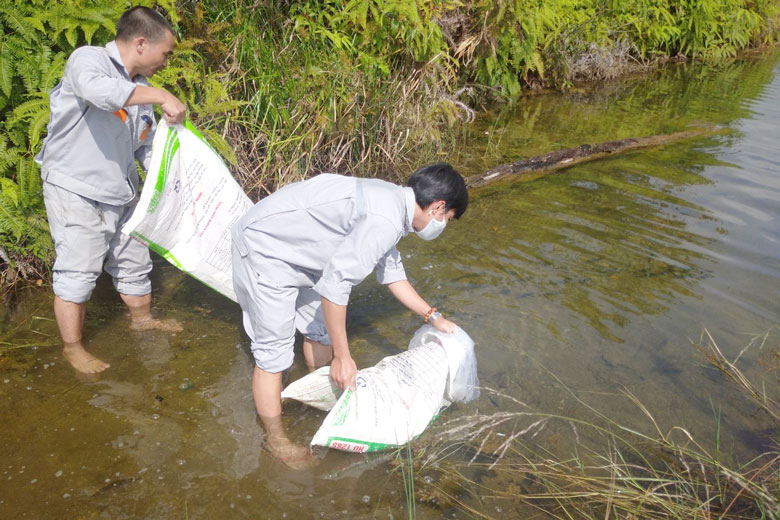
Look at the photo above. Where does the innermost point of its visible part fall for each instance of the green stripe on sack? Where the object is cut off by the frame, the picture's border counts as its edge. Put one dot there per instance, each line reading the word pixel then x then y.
pixel 160 250
pixel 340 415
pixel 189 126
pixel 358 446
pixel 170 149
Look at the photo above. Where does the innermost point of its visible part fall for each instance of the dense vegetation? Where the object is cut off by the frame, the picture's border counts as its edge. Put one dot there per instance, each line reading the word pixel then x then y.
pixel 371 87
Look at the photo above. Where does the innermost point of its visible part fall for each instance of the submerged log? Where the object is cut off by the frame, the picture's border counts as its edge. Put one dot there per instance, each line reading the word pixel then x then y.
pixel 540 165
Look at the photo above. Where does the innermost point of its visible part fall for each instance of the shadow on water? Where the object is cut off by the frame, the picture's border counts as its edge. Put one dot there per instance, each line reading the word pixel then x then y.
pixel 583 283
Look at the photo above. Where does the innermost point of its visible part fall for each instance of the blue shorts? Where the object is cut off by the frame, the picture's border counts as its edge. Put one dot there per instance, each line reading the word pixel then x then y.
pixel 88 240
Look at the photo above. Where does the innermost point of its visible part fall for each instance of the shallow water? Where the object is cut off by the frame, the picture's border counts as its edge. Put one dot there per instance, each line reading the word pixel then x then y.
pixel 589 282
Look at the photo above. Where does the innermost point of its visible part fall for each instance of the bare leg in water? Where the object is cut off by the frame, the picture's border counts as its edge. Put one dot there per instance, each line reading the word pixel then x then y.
pixel 70 321
pixel 316 354
pixel 267 390
pixel 140 308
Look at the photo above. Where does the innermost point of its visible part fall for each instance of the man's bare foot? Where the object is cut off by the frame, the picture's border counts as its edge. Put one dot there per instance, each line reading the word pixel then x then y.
pixel 82 360
pixel 149 323
pixel 291 455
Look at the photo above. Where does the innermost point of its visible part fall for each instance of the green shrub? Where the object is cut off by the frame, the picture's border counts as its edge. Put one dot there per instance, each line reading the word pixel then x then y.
pixel 38 36
pixel 284 88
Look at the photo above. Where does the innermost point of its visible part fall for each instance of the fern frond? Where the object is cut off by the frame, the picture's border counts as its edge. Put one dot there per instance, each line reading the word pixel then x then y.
pixel 42 58
pixel 219 143
pixel 97 18
pixel 17 135
pixel 32 67
pixel 29 182
pixel 57 20
pixel 11 220
pixel 10 191
pixel 8 157
pixel 6 69
pixel 67 19
pixel 20 25
pixel 89 30
pixel 36 23
pixel 38 122
pixel 18 47
pixel 51 76
pixel 71 34
pixel 29 109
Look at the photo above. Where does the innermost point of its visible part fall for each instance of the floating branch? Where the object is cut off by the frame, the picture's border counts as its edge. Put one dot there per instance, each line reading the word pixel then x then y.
pixel 535 167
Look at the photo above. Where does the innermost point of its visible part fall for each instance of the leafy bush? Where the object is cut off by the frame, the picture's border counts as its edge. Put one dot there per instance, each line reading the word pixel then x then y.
pixel 507 44
pixel 36 40
pixel 38 36
pixel 368 87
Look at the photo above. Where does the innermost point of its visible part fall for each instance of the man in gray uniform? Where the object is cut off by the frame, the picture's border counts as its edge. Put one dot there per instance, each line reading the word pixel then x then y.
pixel 102 120
pixel 298 253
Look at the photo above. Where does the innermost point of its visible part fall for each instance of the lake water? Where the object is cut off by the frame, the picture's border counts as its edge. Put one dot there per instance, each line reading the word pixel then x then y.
pixel 578 288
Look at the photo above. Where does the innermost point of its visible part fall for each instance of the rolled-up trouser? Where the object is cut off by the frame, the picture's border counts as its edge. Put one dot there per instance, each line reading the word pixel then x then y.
pixel 87 239
pixel 272 314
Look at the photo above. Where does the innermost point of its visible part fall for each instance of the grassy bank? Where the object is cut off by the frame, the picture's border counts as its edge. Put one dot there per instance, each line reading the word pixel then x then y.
pixel 368 87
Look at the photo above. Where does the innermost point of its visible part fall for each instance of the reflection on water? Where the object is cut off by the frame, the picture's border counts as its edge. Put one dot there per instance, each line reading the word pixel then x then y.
pixel 596 278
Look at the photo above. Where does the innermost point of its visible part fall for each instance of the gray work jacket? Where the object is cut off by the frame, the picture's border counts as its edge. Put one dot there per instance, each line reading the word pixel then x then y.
pixel 328 233
pixel 93 139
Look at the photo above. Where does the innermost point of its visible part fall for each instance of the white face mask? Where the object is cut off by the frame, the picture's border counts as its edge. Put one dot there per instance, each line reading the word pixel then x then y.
pixel 433 228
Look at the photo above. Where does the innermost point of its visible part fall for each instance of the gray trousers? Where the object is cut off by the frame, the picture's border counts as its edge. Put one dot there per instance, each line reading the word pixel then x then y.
pixel 272 314
pixel 87 240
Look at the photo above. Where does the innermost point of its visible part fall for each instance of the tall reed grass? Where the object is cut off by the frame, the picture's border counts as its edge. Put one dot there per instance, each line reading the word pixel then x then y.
pixel 501 466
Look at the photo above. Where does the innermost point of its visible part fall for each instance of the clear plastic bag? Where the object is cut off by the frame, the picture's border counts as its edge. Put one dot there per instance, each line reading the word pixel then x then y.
pixel 462 381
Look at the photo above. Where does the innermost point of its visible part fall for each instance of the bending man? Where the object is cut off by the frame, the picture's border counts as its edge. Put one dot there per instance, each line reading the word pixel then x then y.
pixel 298 253
pixel 102 120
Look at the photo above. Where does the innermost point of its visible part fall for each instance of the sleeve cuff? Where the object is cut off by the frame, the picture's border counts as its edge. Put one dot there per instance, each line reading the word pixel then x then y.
pixel 337 292
pixel 124 90
pixel 112 101
pixel 387 276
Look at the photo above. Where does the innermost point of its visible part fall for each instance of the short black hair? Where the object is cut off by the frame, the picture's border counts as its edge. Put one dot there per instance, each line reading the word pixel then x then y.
pixel 142 21
pixel 440 182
